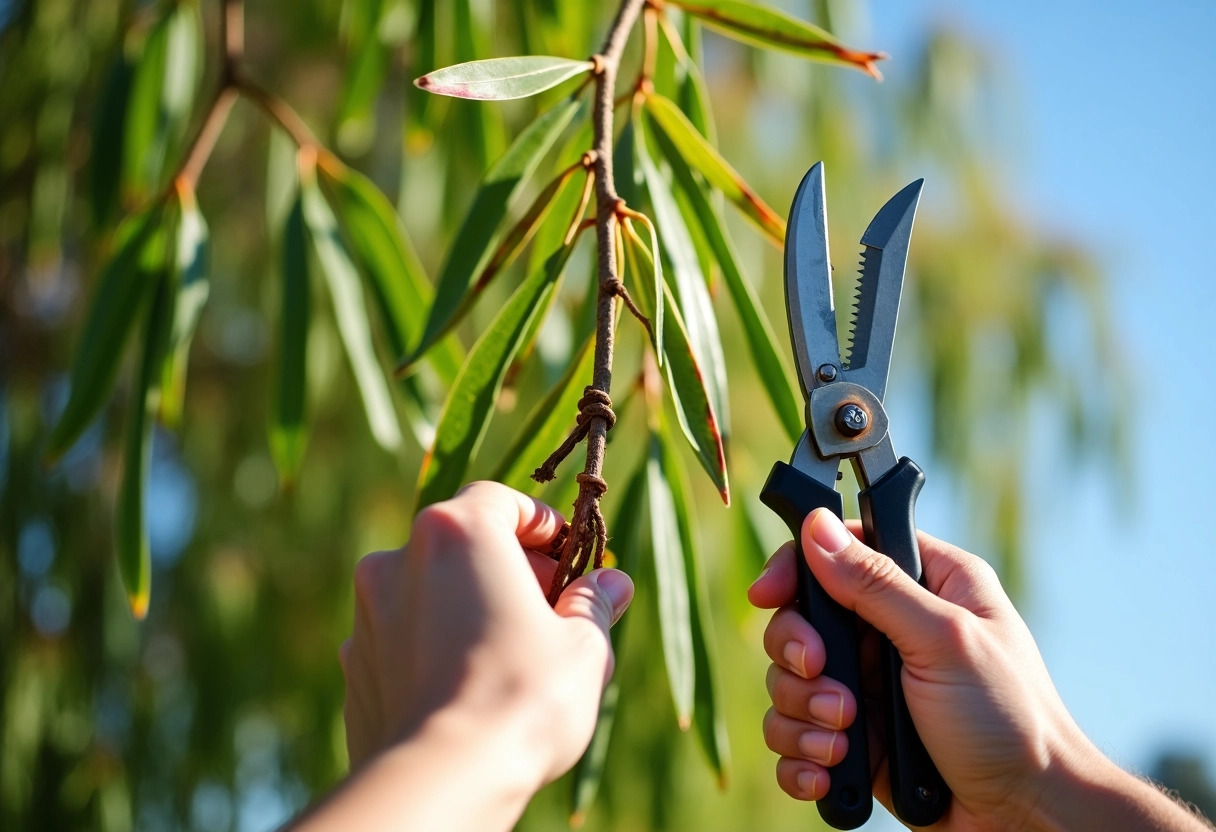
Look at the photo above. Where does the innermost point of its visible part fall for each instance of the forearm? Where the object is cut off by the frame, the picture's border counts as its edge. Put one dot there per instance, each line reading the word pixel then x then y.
pixel 445 778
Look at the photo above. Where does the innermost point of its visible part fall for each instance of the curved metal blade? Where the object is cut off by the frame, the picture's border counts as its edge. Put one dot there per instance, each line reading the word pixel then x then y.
pixel 884 258
pixel 808 281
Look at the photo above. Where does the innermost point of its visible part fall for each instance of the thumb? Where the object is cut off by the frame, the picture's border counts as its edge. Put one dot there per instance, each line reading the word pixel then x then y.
pixel 916 621
pixel 600 596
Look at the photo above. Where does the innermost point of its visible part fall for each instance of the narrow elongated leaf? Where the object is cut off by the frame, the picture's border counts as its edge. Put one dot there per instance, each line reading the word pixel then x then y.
pixel 466 413
pixel 761 342
pixel 121 291
pixel 162 97
pixel 689 284
pixel 589 770
pixel 347 294
pixel 190 267
pixel 500 79
pixel 288 429
pixel 482 128
pixel 131 536
pixel 107 142
pixel 764 26
pixel 708 718
pixel 693 95
pixel 701 155
pixel 382 247
pixel 685 382
pixel 671 584
pixel 546 425
pixel 475 242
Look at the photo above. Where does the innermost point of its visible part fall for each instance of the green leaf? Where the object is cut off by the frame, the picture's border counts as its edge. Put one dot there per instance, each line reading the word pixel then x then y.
pixel 649 262
pixel 130 532
pixel 708 718
pixel 483 127
pixel 475 242
pixel 162 97
pixel 466 413
pixel 763 26
pixel 500 79
pixel 693 95
pixel 685 382
pixel 589 770
pixel 786 399
pixel 702 156
pixel 347 294
pixel 691 293
pixel 107 142
pixel 671 584
pixel 288 430
pixel 190 267
pixel 547 424
pixel 121 291
pixel 380 244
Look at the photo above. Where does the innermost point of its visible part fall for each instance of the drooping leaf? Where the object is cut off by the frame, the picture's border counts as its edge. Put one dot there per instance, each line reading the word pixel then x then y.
pixel 688 285
pixel 500 79
pixel 693 95
pixel 686 383
pixel 671 585
pixel 546 425
pixel 380 244
pixel 130 532
pixel 761 342
pixel 121 292
pixel 190 277
pixel 475 242
pixel 162 97
pixel 367 62
pixel 288 429
pixel 767 27
pixel 466 413
pixel 708 718
pixel 346 292
pixel 106 143
pixel 482 127
pixel 589 770
pixel 702 156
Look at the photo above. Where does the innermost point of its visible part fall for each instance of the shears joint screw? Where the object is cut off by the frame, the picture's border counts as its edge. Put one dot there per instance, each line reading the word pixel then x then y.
pixel 851 420
pixel 827 373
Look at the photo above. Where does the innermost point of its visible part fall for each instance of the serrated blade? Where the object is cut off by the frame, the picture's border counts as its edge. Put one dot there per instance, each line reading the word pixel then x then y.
pixel 884 258
pixel 808 281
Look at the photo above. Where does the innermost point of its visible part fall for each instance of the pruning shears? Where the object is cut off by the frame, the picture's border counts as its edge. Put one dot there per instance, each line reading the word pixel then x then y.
pixel 845 420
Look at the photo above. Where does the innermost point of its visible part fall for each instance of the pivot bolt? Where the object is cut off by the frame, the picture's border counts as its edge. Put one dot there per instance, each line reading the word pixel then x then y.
pixel 827 373
pixel 851 420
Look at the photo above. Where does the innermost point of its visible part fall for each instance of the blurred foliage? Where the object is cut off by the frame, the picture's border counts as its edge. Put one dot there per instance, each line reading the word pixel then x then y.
pixel 223 709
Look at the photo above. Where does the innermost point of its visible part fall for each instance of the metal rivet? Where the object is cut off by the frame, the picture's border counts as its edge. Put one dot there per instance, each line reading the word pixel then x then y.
pixel 851 420
pixel 827 372
pixel 925 793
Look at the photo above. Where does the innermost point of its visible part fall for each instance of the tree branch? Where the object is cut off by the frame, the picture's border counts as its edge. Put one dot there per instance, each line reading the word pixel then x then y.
pixel 588 536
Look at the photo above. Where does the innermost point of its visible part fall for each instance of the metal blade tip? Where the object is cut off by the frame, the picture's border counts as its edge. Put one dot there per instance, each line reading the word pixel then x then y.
pixel 899 210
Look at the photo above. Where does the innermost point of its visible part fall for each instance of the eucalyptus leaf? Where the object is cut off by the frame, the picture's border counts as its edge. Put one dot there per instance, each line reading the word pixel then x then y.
pixel 771 28
pixel 702 156
pixel 106 142
pixel 288 428
pixel 466 413
pixel 500 79
pixel 474 245
pixel 346 292
pixel 190 268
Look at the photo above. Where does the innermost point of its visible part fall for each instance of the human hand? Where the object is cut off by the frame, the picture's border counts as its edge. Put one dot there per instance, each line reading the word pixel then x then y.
pixel 976 685
pixel 454 639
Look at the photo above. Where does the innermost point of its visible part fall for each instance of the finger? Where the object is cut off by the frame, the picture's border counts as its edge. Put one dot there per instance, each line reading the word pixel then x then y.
pixel 823 702
pixel 543 567
pixel 595 601
pixel 793 738
pixel 778 583
pixel 534 523
pixel 802 779
pixel 793 643
pixel 917 621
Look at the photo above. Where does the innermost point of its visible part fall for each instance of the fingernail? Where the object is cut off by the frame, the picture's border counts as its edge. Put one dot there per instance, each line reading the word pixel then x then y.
pixel 818 745
pixel 760 577
pixel 827 708
pixel 829 533
pixel 806 782
pixel 795 655
pixel 618 587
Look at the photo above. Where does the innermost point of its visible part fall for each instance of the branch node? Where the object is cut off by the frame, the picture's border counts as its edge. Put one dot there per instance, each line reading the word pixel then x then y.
pixel 598 64
pixel 595 404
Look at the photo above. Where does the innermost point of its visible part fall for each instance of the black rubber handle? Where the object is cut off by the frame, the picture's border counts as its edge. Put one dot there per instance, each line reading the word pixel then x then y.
pixel 793 495
pixel 918 792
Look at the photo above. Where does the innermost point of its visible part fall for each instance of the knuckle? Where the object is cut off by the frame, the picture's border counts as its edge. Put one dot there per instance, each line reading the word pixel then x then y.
pixel 871 572
pixel 440 523
pixel 369 572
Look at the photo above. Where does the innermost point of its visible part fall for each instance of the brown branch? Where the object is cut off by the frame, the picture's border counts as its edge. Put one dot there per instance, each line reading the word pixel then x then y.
pixel 208 135
pixel 280 111
pixel 588 535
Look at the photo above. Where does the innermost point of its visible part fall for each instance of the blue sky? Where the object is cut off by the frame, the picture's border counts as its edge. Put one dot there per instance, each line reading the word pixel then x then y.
pixel 1118 116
